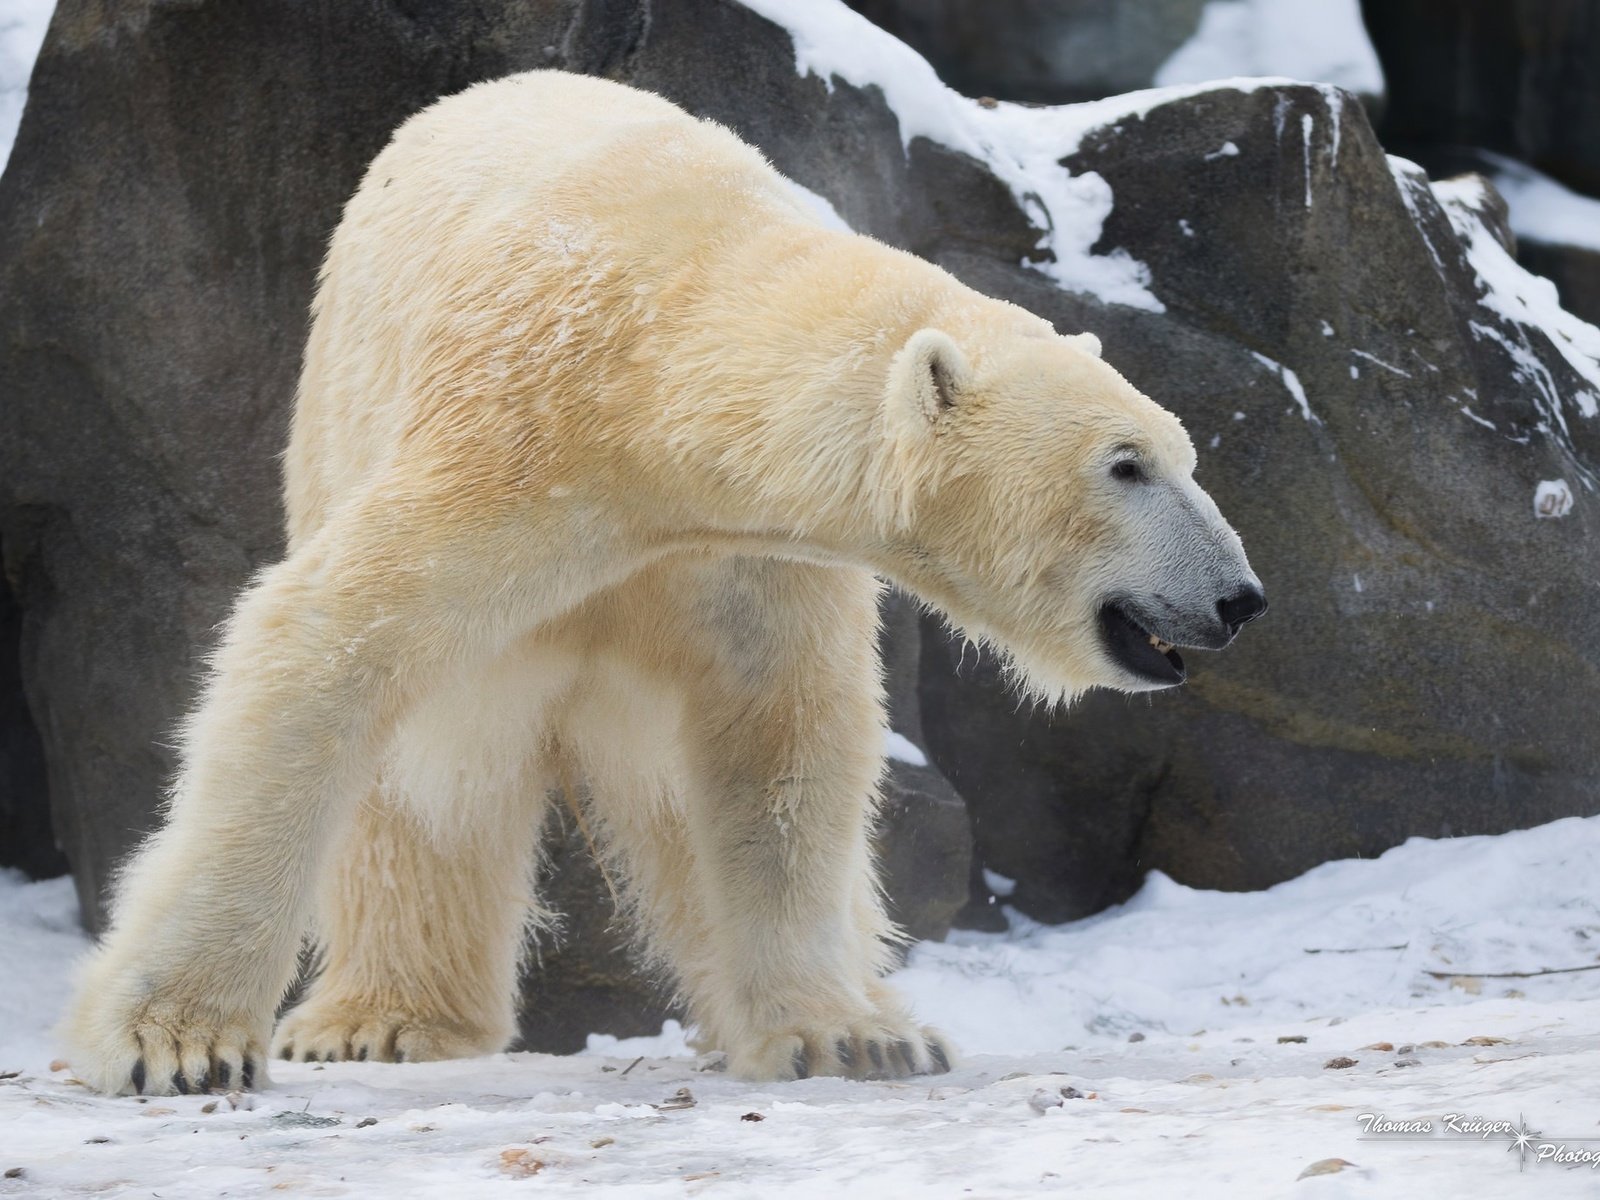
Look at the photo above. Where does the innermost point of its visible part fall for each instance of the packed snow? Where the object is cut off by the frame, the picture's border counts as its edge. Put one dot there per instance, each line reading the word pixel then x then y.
pixel 22 26
pixel 1320 41
pixel 1213 1044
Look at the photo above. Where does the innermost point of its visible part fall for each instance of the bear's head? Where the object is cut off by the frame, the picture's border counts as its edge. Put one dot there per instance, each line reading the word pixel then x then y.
pixel 1050 508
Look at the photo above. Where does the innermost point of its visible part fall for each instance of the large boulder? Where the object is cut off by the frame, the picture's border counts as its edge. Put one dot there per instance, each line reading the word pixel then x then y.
pixel 1379 396
pixel 176 177
pixel 1247 252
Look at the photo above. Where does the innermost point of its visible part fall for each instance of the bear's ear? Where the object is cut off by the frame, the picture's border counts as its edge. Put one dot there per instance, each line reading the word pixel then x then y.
pixel 929 375
pixel 1087 342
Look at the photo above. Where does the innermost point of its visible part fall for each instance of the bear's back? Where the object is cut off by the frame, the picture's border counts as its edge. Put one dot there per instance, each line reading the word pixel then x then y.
pixel 539 215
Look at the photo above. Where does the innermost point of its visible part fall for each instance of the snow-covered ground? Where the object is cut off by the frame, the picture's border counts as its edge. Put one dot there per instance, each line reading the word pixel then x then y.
pixel 1183 1044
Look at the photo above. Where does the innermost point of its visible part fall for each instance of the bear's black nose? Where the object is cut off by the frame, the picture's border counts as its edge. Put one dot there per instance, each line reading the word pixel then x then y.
pixel 1241 608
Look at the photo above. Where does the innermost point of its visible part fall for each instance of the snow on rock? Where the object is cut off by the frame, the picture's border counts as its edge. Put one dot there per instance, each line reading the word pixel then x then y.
pixel 1202 1043
pixel 1022 145
pixel 22 26
pixel 818 207
pixel 1291 382
pixel 1529 305
pixel 1320 41
pixel 1552 498
pixel 1542 210
pixel 902 749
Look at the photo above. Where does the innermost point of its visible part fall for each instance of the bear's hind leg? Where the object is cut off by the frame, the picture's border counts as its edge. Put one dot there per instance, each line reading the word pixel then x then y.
pixel 420 923
pixel 419 937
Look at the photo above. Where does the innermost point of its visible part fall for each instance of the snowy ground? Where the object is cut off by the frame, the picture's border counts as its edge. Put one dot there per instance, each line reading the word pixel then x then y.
pixel 1191 1029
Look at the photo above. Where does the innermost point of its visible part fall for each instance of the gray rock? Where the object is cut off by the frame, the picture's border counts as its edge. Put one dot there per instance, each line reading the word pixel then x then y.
pixel 1040 51
pixel 180 166
pixel 1429 664
pixel 177 174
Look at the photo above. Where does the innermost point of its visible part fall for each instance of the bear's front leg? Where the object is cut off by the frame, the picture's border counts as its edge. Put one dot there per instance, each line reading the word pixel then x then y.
pixel 786 753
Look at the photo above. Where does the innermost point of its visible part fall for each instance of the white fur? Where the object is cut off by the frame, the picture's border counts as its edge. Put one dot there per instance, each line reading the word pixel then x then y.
pixel 599 443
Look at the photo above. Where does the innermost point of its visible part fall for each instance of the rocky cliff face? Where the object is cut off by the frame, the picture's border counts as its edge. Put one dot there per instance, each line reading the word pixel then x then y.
pixel 1398 420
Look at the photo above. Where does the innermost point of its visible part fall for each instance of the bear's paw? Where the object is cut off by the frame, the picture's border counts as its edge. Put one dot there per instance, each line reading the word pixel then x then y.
pixel 164 1053
pixel 867 1050
pixel 351 1031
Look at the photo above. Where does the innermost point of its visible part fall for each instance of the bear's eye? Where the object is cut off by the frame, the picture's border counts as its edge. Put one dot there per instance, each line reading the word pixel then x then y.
pixel 1127 470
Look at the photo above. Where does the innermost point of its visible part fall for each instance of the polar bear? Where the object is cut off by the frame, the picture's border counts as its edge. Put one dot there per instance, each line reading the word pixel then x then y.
pixel 602 443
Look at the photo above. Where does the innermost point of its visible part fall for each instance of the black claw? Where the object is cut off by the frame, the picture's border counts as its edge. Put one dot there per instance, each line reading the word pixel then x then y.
pixel 941 1060
pixel 328 1056
pixel 399 1055
pixel 203 1084
pixel 224 1074
pixel 361 1054
pixel 875 1052
pixel 846 1053
pixel 287 1054
pixel 247 1074
pixel 138 1077
pixel 902 1050
pixel 180 1083
pixel 801 1069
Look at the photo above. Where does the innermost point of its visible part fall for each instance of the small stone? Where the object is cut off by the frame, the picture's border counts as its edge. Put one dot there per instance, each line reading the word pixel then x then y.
pixel 1482 1040
pixel 1383 1047
pixel 366 1122
pixel 752 1116
pixel 520 1163
pixel 1408 1062
pixel 1136 1036
pixel 601 1143
pixel 209 1107
pixel 1043 1100
pixel 988 102
pixel 1325 1166
pixel 1408 1048
pixel 15 1173
pixel 96 1141
pixel 1292 1039
pixel 682 1098
pixel 58 1064
pixel 1338 1064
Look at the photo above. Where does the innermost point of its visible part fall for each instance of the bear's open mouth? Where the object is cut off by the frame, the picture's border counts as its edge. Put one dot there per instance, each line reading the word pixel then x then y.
pixel 1136 649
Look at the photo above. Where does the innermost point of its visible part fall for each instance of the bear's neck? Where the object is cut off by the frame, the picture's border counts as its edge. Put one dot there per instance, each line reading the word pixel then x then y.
pixel 789 431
